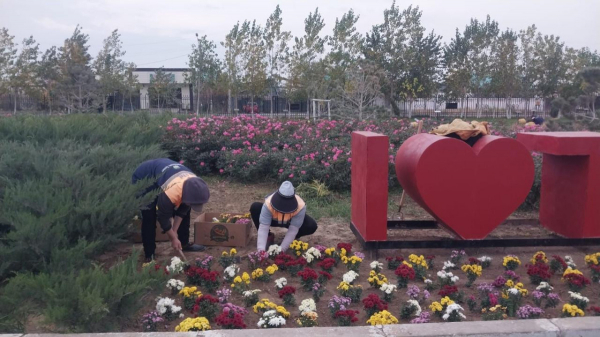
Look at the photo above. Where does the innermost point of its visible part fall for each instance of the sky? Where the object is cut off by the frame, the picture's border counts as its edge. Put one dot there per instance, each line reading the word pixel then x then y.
pixel 160 32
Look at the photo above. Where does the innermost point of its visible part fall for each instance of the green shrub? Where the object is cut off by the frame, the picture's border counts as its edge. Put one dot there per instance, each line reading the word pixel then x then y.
pixel 88 300
pixel 65 197
pixel 65 194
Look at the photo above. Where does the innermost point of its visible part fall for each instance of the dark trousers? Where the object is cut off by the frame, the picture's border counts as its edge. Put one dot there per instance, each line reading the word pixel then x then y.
pixel 149 229
pixel 309 226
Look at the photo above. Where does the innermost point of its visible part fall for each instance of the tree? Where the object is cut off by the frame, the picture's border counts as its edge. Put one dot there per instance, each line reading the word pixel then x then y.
pixel 307 72
pixel 110 68
pixel 23 74
pixel 575 61
pixel 162 87
pixel 204 66
pixel 276 44
pixel 468 59
pixel 131 84
pixel 528 63
pixel 591 84
pixel 401 48
pixel 255 65
pixel 8 54
pixel 345 46
pixel 409 90
pixel 78 87
pixel 49 75
pixel 385 45
pixel 551 70
pixel 234 48
pixel 505 67
pixel 361 87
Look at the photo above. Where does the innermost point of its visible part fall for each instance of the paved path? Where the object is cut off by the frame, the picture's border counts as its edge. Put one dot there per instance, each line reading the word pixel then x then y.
pixel 559 327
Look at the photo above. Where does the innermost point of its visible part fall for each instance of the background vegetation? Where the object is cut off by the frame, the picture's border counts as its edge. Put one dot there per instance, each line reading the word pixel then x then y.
pixel 398 59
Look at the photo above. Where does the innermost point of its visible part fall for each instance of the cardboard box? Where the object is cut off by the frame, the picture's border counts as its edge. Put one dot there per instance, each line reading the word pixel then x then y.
pixel 136 236
pixel 210 233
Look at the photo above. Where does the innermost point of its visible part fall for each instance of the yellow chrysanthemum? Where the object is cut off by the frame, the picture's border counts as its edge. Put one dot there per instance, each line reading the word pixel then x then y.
pixel 472 269
pixel 592 258
pixel 572 310
pixel 193 324
pixel 382 318
pixel 508 259
pixel 418 260
pixel 271 269
pixel 190 292
pixel 343 286
pixel 571 271
pixel 265 304
pixel 445 301
pixel 257 273
pixel 542 258
pixel 436 307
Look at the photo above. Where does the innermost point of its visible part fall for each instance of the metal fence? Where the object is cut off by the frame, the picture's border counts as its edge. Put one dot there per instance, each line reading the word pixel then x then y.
pixel 473 107
pixel 222 105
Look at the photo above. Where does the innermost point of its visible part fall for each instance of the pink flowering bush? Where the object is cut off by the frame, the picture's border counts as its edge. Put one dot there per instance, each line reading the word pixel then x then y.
pixel 296 150
pixel 247 149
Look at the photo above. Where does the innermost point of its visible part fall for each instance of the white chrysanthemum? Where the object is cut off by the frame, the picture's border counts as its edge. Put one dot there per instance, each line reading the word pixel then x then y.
pixel 513 291
pixel 276 321
pixel 249 293
pixel 484 258
pixel 231 271
pixel 181 315
pixel 376 265
pixel 280 282
pixel 388 288
pixel 447 275
pixel 569 261
pixel 578 296
pixel 274 250
pixel 428 281
pixel 307 305
pixel 176 265
pixel 350 276
pixel 415 303
pixel 544 286
pixel 453 308
pixel 448 265
pixel 165 304
pixel 175 284
pixel 261 322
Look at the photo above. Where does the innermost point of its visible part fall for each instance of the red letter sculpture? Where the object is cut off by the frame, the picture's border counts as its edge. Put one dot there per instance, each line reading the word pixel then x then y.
pixel 370 184
pixel 469 190
pixel 570 198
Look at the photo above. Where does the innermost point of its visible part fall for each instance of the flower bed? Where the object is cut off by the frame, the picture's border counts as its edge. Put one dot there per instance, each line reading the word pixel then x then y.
pixel 250 149
pixel 376 293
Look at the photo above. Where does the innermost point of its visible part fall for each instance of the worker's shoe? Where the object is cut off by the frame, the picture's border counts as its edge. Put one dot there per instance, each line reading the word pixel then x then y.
pixel 192 247
pixel 149 259
pixel 270 240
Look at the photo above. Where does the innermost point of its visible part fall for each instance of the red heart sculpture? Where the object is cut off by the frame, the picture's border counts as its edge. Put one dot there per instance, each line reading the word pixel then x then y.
pixel 469 190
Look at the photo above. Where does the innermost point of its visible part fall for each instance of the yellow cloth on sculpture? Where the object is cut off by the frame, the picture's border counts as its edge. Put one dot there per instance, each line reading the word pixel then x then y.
pixel 463 129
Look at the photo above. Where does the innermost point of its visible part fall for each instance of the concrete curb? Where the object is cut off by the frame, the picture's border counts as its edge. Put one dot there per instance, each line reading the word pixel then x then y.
pixel 558 327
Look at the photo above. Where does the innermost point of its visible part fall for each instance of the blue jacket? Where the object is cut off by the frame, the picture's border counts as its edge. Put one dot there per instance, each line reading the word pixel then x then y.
pixel 159 171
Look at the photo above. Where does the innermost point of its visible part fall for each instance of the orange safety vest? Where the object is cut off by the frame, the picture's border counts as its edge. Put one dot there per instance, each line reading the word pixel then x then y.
pixel 284 218
pixel 173 187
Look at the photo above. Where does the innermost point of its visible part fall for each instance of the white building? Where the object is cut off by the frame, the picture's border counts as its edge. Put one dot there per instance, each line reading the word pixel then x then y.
pixel 184 93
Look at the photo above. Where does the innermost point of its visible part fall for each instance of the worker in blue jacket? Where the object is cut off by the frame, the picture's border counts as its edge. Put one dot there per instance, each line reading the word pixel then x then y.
pixel 181 192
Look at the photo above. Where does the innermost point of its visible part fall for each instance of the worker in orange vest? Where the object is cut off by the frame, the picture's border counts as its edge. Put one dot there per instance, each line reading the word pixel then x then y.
pixel 282 208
